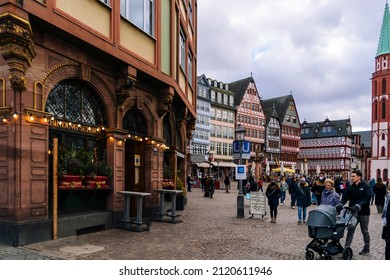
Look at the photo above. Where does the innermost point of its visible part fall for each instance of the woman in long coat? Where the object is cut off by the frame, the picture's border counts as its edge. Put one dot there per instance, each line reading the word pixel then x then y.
pixel 303 196
pixel 380 193
pixel 273 194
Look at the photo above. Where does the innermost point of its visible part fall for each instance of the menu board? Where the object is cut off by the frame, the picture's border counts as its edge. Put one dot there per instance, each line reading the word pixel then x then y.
pixel 257 203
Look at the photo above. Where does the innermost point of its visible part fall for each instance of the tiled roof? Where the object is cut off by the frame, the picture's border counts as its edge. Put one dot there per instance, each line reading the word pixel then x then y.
pixel 280 103
pixel 239 88
pixel 337 128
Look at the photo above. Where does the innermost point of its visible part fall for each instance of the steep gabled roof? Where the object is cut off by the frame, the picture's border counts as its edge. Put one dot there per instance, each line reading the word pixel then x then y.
pixel 270 112
pixel 338 128
pixel 239 88
pixel 384 39
pixel 366 138
pixel 281 105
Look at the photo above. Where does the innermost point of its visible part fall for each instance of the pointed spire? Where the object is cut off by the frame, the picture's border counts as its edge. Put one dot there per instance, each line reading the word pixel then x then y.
pixel 384 39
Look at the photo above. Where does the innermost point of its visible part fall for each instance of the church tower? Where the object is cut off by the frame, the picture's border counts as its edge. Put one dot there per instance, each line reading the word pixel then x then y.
pixel 380 119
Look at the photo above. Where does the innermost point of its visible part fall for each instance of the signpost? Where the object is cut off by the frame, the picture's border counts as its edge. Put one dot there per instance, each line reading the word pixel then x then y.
pixel 258 204
pixel 246 149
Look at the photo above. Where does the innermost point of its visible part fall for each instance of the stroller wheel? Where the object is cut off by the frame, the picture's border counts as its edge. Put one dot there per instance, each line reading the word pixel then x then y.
pixel 347 253
pixel 309 255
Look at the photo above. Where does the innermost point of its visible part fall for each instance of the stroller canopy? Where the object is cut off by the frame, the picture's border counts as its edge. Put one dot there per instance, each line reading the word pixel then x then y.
pixel 322 216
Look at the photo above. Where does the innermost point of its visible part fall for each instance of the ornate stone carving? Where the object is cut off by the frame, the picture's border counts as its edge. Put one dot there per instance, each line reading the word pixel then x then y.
pixel 16 47
pixel 164 104
pixel 18 82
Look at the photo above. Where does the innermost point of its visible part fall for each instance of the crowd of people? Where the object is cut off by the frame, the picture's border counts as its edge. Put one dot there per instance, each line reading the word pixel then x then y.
pixel 356 194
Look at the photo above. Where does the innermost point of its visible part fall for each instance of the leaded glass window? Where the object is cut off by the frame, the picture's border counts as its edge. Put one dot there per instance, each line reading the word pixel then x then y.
pixel 78 102
pixel 135 122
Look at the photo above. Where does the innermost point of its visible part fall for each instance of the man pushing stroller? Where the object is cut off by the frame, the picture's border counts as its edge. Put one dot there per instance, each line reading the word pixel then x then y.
pixel 358 194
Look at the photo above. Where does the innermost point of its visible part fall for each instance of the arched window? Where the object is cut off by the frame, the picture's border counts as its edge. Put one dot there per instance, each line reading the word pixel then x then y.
pixel 384 86
pixel 76 101
pixel 134 121
pixel 383 152
pixel 378 173
pixel 376 88
pixel 375 110
pixel 383 109
pixel 383 136
pixel 385 175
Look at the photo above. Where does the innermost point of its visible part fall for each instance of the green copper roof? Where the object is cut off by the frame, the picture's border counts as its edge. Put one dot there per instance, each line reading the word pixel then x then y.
pixel 384 40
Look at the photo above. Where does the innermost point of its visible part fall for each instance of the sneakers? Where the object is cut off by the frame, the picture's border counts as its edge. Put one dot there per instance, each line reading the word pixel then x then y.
pixel 364 252
pixel 299 222
pixel 293 207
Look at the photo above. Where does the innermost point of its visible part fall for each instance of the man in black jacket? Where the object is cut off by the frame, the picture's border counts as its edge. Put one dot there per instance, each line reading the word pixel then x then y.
pixel 358 194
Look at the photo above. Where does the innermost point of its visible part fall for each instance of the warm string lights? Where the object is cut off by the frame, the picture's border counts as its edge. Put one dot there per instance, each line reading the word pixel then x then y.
pixel 52 121
pixel 157 144
pixel 41 117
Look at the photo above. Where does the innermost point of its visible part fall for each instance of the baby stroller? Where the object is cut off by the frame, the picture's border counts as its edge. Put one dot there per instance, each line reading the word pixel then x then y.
pixel 326 228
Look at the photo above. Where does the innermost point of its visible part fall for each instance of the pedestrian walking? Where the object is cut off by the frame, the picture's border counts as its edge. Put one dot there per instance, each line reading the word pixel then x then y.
pixel 359 195
pixel 303 196
pixel 372 184
pixel 386 226
pixel 189 183
pixel 260 185
pixel 291 189
pixel 380 193
pixel 319 187
pixel 273 194
pixel 329 195
pixel 283 189
pixel 227 183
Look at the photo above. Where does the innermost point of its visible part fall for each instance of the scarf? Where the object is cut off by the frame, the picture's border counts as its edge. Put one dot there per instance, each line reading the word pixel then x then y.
pixel 384 220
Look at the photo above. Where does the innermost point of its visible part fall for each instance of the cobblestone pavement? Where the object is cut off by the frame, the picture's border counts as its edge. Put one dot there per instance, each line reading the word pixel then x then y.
pixel 210 230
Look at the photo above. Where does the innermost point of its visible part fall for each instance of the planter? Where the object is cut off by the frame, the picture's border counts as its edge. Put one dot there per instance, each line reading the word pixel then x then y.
pixel 181 201
pixel 70 181
pixel 95 181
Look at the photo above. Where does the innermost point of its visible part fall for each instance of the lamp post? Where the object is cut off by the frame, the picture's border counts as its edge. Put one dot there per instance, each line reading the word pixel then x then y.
pixel 240 136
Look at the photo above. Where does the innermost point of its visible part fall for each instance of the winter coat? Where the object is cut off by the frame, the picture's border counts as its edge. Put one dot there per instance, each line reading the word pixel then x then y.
pixel 358 194
pixel 283 186
pixel 273 194
pixel 380 193
pixel 330 197
pixel 386 228
pixel 292 187
pixel 303 195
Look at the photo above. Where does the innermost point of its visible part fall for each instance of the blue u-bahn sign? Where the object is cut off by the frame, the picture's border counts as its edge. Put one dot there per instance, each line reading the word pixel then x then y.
pixel 246 149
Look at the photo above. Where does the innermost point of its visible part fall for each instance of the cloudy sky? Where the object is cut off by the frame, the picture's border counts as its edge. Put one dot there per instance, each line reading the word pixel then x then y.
pixel 323 51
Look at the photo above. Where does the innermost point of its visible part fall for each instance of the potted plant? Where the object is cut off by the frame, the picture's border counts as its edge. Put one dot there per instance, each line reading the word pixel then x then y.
pixel 181 199
pixel 72 165
pixel 97 175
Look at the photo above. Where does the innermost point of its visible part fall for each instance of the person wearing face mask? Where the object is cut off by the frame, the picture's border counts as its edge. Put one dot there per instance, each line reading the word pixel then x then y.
pixel 319 187
pixel 303 196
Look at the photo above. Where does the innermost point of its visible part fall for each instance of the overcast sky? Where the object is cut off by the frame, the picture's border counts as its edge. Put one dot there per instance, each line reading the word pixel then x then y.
pixel 323 51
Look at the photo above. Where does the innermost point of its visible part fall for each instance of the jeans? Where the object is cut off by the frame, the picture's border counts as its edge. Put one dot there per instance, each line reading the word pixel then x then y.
pixel 293 199
pixel 363 221
pixel 301 213
pixel 387 251
pixel 282 197
pixel 273 210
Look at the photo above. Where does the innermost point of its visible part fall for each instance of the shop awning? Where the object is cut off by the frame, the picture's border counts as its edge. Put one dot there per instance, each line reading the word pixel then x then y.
pixel 225 164
pixel 203 164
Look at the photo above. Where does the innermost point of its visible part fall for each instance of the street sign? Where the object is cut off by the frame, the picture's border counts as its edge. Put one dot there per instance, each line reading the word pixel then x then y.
pixel 240 172
pixel 246 149
pixel 197 158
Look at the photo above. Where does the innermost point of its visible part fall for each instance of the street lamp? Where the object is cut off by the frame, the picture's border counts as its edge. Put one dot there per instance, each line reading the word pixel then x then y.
pixel 240 137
